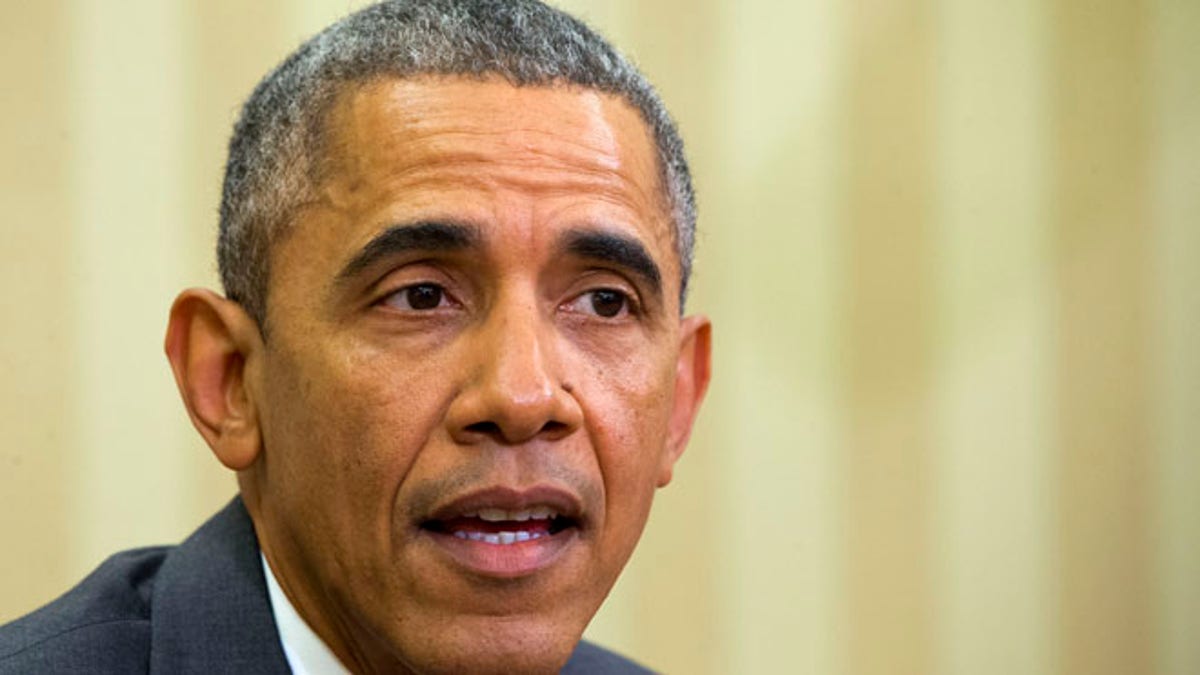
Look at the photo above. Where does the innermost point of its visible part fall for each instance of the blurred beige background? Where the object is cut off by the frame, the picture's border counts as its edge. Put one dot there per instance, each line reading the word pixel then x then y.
pixel 951 249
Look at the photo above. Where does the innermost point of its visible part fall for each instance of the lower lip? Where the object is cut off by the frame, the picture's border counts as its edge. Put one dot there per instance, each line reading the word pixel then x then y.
pixel 505 561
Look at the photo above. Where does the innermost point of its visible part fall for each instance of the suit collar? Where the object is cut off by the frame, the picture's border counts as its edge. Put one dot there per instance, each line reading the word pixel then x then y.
pixel 210 612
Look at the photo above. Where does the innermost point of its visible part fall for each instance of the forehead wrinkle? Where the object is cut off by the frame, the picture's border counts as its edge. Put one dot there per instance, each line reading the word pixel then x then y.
pixel 552 151
pixel 529 170
pixel 417 124
pixel 593 150
pixel 517 177
pixel 424 185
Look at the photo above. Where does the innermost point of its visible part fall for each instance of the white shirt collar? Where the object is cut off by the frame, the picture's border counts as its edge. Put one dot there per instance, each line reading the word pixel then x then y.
pixel 306 653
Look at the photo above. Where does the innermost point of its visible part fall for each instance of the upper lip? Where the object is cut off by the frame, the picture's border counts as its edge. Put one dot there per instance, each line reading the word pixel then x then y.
pixel 562 502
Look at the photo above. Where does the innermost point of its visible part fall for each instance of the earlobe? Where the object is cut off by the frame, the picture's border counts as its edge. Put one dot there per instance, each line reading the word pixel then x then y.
pixel 210 342
pixel 692 373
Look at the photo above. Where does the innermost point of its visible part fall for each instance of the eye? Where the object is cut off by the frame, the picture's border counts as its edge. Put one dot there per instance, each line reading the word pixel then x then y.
pixel 418 297
pixel 608 303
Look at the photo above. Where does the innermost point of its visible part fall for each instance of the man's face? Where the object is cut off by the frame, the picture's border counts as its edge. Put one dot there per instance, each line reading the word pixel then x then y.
pixel 476 373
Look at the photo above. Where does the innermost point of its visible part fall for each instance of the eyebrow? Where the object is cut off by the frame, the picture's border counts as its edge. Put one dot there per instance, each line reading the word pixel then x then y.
pixel 427 236
pixel 618 249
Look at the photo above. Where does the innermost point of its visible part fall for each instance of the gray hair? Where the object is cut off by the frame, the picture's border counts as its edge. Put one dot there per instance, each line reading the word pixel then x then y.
pixel 275 151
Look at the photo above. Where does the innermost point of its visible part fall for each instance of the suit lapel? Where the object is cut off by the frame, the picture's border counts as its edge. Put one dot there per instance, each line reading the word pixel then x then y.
pixel 210 612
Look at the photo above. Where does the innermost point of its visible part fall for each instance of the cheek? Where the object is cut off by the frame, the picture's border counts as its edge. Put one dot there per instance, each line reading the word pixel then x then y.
pixel 349 424
pixel 629 418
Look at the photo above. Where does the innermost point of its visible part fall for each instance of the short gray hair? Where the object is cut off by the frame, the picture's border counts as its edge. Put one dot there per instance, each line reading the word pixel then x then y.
pixel 275 150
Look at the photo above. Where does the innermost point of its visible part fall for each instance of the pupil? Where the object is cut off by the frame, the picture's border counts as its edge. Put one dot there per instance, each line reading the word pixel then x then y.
pixel 607 303
pixel 424 296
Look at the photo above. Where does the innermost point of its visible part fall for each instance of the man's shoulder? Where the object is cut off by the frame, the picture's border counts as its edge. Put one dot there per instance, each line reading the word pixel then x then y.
pixel 102 624
pixel 592 659
pixel 197 608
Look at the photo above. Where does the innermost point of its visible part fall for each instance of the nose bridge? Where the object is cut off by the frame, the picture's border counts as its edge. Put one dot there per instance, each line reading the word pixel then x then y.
pixel 516 359
pixel 515 392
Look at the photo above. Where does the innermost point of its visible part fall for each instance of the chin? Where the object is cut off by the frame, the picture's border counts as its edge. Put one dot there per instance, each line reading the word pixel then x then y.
pixel 498 645
pixel 502 664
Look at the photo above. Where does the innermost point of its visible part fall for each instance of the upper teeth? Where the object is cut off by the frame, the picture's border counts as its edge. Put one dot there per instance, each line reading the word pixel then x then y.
pixel 500 515
pixel 502 538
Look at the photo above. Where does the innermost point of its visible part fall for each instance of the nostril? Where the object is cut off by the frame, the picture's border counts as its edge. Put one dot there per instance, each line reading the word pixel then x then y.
pixel 488 428
pixel 551 428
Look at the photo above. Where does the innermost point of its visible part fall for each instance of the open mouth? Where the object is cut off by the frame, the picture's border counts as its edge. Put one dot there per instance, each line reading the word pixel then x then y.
pixel 501 527
pixel 502 533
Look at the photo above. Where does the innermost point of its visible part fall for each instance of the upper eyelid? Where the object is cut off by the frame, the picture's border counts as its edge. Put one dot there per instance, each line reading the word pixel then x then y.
pixel 626 280
pixel 448 302
pixel 383 292
pixel 628 287
pixel 446 295
pixel 633 306
pixel 388 290
pixel 423 272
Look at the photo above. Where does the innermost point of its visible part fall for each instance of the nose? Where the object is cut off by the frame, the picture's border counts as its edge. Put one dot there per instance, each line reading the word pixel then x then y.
pixel 515 390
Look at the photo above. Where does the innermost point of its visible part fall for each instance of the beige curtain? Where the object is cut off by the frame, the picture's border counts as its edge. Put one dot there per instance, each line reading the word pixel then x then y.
pixel 951 250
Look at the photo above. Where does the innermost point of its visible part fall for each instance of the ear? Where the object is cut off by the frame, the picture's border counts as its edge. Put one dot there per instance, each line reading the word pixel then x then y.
pixel 211 343
pixel 692 372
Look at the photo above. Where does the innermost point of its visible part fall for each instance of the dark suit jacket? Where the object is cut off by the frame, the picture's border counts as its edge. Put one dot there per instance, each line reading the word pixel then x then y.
pixel 200 607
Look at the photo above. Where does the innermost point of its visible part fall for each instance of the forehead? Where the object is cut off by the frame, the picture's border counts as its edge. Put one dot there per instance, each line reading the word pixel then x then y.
pixel 438 142
pixel 428 117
